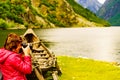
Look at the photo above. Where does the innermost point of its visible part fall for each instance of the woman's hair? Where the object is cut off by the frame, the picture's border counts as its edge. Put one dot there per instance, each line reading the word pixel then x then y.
pixel 12 41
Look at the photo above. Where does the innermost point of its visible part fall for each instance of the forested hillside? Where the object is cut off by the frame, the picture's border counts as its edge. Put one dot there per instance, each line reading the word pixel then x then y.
pixel 111 11
pixel 46 14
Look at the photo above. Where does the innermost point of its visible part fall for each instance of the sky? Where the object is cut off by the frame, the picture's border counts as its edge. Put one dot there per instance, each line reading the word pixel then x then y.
pixel 101 1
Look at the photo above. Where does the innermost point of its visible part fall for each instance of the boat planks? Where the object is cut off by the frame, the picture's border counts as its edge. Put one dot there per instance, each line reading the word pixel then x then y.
pixel 44 62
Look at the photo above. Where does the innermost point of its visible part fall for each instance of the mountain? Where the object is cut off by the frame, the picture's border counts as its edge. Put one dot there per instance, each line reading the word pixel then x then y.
pixel 46 14
pixel 92 5
pixel 111 12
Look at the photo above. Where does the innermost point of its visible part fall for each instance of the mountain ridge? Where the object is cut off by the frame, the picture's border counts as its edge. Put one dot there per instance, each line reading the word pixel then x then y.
pixel 110 11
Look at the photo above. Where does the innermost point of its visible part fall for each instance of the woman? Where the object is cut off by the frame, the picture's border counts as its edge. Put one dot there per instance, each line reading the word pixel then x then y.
pixel 15 61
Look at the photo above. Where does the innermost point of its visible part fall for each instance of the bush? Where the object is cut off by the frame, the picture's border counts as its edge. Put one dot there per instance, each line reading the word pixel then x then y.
pixel 3 24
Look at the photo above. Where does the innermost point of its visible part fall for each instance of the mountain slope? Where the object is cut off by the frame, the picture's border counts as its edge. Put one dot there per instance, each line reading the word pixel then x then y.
pixel 92 5
pixel 86 13
pixel 111 12
pixel 43 14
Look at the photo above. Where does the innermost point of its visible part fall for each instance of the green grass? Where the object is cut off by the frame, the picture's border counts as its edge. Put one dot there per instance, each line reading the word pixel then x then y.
pixel 87 69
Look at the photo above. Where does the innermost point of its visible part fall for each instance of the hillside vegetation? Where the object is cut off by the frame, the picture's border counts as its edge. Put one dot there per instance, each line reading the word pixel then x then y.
pixel 46 14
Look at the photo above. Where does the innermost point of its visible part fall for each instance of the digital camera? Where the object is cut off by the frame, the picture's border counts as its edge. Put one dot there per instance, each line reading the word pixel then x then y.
pixel 27 44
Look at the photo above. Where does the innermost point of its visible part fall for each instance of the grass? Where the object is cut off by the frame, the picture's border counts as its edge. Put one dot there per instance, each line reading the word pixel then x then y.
pixel 87 69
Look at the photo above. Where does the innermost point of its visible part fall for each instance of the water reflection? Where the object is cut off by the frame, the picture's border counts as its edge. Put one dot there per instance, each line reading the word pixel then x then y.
pixel 103 49
pixel 95 43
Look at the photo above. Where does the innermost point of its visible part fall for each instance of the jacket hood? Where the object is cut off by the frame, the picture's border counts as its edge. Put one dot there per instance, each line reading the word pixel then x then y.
pixel 4 55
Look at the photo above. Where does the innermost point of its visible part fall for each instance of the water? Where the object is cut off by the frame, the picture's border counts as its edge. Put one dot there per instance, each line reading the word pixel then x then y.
pixel 95 43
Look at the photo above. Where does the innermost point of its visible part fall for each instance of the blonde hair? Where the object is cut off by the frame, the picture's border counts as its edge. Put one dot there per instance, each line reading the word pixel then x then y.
pixel 12 41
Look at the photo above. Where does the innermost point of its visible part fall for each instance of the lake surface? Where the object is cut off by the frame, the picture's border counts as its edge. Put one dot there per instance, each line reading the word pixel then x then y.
pixel 95 43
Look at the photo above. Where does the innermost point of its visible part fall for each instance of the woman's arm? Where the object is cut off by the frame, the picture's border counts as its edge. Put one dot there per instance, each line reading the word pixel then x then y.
pixel 24 65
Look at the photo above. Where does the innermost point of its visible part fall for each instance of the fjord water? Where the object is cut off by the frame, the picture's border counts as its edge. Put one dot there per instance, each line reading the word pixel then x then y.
pixel 95 43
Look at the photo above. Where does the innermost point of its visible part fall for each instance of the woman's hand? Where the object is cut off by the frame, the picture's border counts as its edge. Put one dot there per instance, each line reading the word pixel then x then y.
pixel 26 50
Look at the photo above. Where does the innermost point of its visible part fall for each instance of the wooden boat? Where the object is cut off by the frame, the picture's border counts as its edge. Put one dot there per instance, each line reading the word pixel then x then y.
pixel 44 61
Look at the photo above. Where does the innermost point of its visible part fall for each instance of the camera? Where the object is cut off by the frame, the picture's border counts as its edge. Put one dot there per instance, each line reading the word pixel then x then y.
pixel 27 44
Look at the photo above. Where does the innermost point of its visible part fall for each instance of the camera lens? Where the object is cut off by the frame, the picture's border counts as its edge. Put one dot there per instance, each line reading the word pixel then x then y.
pixel 30 45
pixel 27 44
pixel 24 45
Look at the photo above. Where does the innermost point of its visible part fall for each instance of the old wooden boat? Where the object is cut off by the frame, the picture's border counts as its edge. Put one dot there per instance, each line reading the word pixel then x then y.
pixel 44 61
